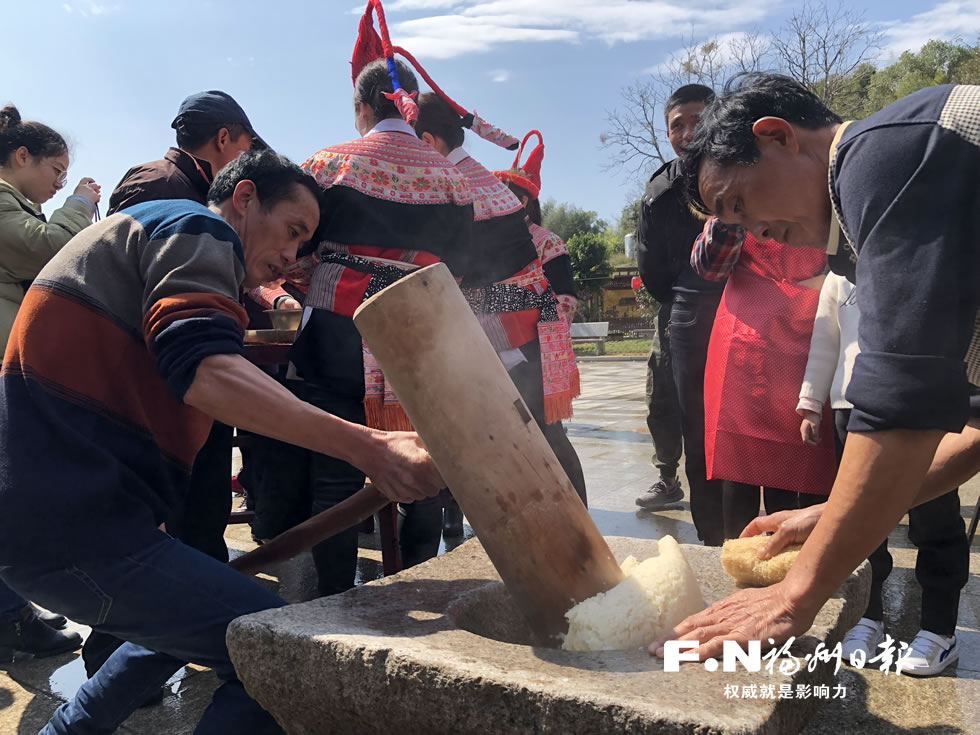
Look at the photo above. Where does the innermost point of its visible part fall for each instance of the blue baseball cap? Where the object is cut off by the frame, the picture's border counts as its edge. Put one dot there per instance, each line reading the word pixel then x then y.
pixel 215 107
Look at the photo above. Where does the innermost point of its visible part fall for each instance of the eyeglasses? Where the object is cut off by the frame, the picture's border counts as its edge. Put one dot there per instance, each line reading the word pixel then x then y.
pixel 62 179
pixel 62 174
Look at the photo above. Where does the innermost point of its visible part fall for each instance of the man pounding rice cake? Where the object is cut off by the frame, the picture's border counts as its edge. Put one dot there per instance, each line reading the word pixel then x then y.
pixel 903 205
pixel 126 346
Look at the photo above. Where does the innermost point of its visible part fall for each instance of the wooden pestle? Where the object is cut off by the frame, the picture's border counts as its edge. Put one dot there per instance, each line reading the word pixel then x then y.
pixel 487 447
pixel 364 503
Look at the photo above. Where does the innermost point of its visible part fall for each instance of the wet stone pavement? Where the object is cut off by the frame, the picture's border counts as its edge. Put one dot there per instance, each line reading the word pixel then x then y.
pixel 609 431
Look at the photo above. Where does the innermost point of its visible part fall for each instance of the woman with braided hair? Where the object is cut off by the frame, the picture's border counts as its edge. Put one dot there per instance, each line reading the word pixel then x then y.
pixel 507 288
pixel 525 181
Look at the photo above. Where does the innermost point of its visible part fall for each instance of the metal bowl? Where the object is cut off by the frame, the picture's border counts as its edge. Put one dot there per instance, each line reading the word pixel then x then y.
pixel 286 320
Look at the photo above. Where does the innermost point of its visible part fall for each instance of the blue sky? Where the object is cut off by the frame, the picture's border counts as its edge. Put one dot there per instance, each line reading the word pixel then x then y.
pixel 110 74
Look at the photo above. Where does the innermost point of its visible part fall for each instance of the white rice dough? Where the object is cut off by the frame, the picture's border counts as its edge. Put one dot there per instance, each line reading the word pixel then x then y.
pixel 656 595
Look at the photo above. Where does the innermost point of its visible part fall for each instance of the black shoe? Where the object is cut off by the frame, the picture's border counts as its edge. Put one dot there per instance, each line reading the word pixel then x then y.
pixel 661 494
pixel 452 521
pixel 52 620
pixel 29 635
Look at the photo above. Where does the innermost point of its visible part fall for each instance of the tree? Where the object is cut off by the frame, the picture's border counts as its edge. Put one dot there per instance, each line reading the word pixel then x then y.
pixel 822 46
pixel 615 237
pixel 629 218
pixel 937 62
pixel 567 220
pixel 636 136
pixel 826 47
pixel 851 103
pixel 590 266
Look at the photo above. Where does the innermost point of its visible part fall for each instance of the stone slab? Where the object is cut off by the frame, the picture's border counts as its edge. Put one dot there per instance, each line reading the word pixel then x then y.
pixel 389 656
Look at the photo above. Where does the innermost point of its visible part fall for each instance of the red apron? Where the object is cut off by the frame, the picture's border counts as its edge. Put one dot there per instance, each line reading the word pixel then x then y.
pixel 756 359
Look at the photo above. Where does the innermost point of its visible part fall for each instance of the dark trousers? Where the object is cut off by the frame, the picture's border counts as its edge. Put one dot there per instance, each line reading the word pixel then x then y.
pixel 691 319
pixel 741 503
pixel 530 384
pixel 278 482
pixel 663 405
pixel 942 564
pixel 200 523
pixel 11 604
pixel 173 604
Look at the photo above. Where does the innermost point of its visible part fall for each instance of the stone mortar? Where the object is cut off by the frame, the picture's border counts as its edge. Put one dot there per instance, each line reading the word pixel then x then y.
pixel 400 655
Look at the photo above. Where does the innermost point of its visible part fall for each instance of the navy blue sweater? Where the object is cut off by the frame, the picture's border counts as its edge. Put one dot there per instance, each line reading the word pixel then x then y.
pixel 906 185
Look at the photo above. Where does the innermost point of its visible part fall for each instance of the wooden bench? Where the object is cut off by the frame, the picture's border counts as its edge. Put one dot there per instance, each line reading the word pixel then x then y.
pixel 591 333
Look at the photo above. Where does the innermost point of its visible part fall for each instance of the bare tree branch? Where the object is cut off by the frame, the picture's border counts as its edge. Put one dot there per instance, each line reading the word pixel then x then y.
pixel 636 136
pixel 822 44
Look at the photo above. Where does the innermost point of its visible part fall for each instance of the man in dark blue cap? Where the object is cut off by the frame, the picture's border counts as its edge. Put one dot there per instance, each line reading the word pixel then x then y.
pixel 212 131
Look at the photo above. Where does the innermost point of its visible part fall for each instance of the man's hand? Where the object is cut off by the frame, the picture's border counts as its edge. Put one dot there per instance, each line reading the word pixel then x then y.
pixel 401 468
pixel 788 527
pixel 810 428
pixel 288 303
pixel 755 614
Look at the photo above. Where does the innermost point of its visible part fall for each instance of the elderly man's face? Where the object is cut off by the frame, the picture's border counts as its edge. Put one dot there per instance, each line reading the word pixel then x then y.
pixel 783 196
pixel 271 237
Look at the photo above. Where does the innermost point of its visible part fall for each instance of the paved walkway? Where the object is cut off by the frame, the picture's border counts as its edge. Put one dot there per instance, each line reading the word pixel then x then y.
pixel 609 432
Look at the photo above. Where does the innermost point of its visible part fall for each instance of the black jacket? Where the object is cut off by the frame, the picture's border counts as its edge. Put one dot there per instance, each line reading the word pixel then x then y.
pixel 666 235
pixel 179 175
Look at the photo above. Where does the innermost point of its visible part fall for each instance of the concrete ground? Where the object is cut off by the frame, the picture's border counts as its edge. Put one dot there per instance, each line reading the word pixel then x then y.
pixel 609 432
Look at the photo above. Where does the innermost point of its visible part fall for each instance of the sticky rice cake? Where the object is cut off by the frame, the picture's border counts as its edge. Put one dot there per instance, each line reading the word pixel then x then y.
pixel 740 558
pixel 656 595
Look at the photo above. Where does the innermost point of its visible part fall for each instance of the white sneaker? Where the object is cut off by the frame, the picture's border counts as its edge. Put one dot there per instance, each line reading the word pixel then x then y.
pixel 864 637
pixel 929 654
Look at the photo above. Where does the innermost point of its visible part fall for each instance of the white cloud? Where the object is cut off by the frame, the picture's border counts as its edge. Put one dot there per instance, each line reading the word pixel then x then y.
pixel 469 26
pixel 500 75
pixel 420 4
pixel 945 21
pixel 445 36
pixel 86 8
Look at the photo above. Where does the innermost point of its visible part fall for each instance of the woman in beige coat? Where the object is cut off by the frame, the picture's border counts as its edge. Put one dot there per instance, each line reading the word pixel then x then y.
pixel 33 166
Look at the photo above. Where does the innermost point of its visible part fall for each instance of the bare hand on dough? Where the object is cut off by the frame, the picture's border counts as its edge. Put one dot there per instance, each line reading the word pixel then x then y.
pixel 788 527
pixel 754 614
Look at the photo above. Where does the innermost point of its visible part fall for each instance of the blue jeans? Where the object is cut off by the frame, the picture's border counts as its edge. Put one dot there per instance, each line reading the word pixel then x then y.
pixel 10 604
pixel 173 604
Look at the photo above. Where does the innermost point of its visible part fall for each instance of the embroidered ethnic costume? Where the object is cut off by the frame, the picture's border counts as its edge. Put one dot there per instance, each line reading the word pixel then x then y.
pixel 557 266
pixel 515 309
pixel 551 250
pixel 393 205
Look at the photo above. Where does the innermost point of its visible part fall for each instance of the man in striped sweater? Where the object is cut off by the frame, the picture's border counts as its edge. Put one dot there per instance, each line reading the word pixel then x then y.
pixel 126 346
